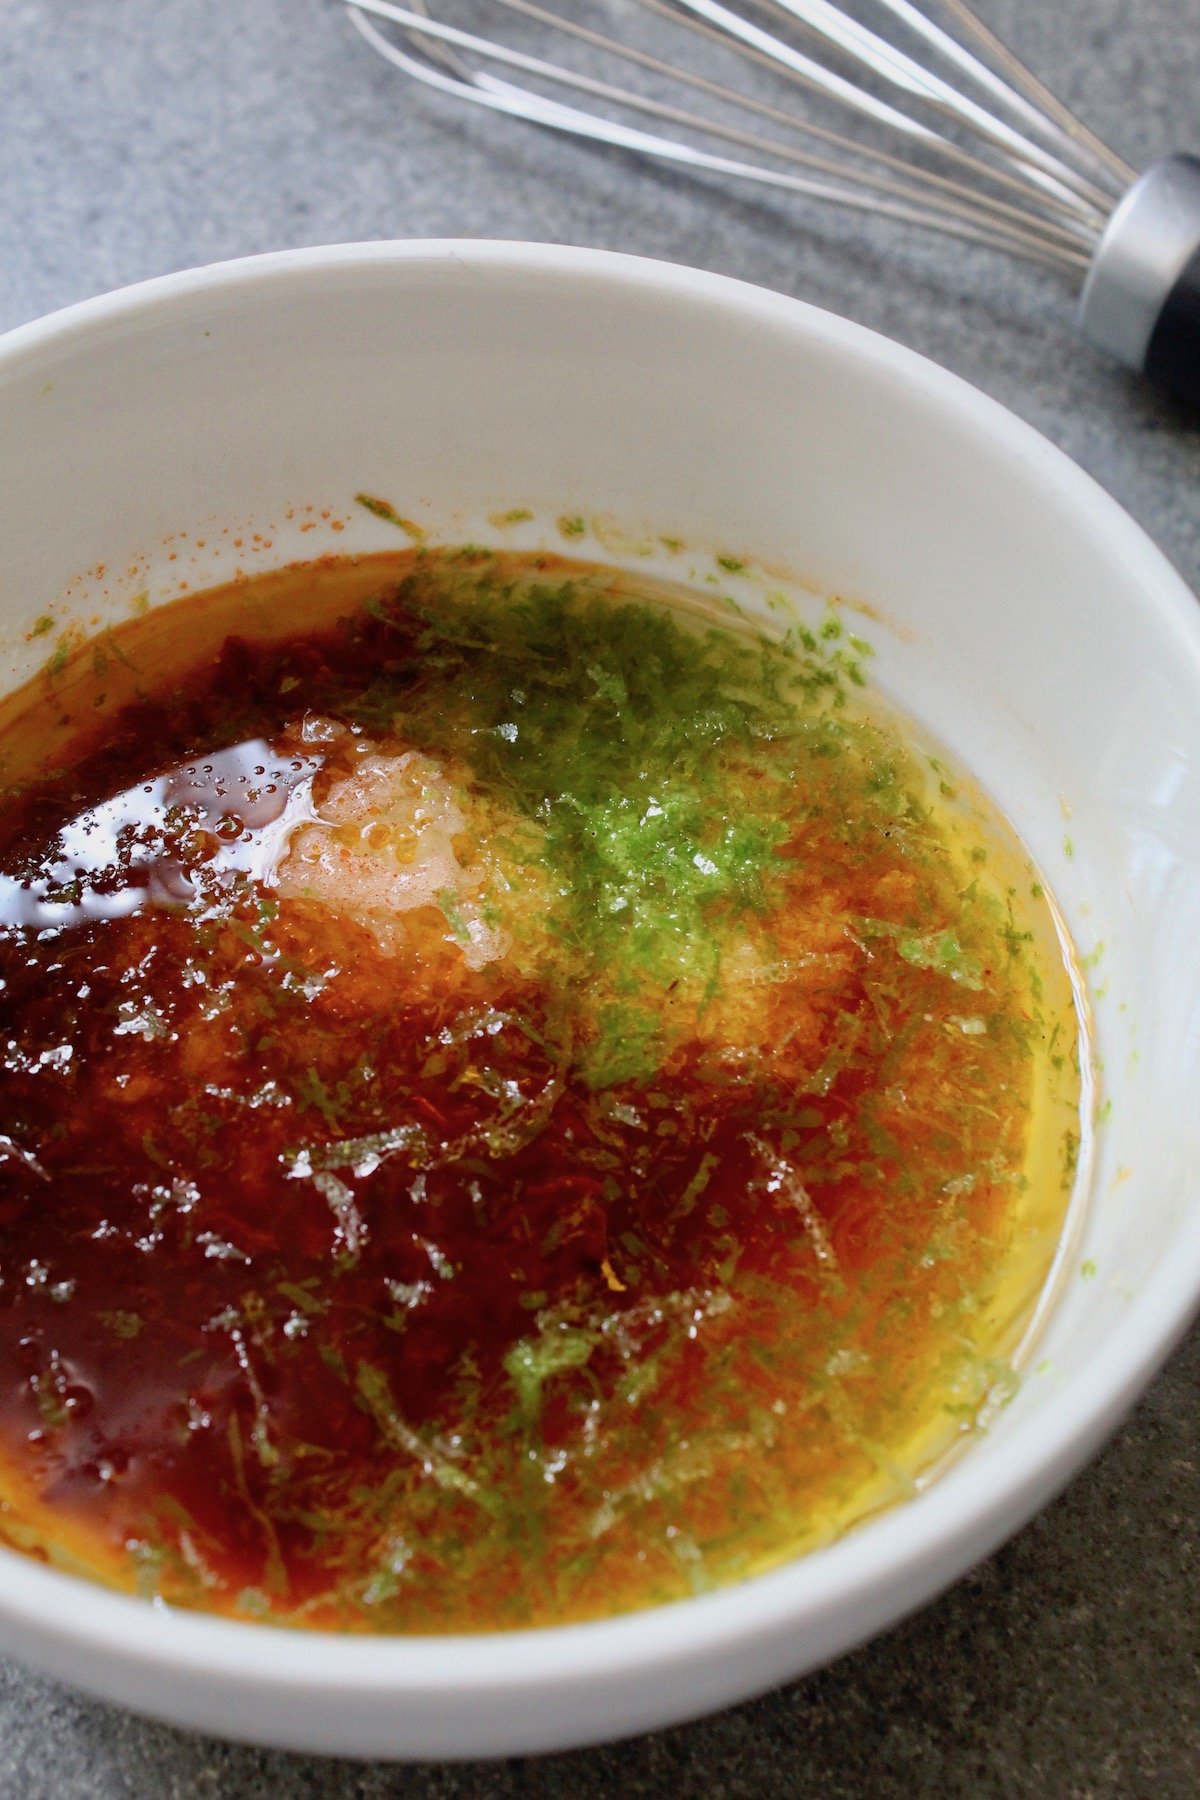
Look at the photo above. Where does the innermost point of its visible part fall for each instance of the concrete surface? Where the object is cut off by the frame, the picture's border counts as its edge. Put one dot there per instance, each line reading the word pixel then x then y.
pixel 140 136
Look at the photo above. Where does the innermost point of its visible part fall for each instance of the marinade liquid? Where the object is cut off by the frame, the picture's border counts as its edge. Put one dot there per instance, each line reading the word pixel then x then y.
pixel 519 1101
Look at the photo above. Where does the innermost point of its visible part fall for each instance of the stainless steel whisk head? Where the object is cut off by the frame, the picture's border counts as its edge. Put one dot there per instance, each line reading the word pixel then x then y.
pixel 935 124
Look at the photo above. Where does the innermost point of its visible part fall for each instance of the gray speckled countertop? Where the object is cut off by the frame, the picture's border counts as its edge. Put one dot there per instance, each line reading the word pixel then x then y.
pixel 141 136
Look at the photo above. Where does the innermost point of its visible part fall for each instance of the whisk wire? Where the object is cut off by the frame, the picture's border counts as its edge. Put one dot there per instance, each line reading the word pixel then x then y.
pixel 954 196
pixel 1017 90
pixel 891 66
pixel 1011 174
pixel 485 90
pixel 1041 101
pixel 1062 208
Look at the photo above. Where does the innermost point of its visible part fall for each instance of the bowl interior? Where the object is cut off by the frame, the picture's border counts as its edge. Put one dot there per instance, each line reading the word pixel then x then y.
pixel 160 442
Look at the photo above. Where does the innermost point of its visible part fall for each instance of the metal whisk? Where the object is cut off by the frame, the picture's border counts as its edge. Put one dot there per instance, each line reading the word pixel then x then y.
pixel 951 132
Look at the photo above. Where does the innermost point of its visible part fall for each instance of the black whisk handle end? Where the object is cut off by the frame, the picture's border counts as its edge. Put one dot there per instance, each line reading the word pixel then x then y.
pixel 1173 356
pixel 1141 300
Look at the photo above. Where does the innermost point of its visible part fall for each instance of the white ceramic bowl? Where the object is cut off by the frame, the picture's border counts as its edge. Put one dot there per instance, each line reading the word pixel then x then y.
pixel 226 418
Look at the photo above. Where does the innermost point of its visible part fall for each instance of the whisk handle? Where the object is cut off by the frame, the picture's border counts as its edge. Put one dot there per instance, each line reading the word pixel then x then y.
pixel 1141 299
pixel 1173 358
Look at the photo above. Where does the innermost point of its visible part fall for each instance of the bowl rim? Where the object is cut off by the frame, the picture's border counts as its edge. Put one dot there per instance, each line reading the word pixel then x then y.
pixel 884 1567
